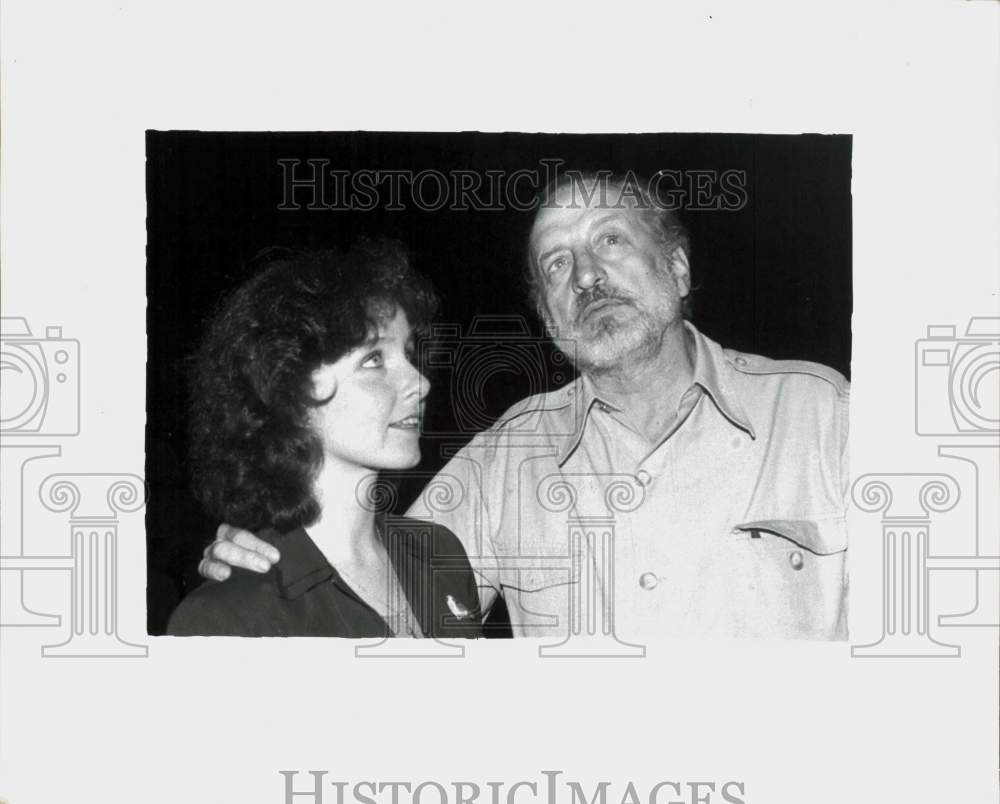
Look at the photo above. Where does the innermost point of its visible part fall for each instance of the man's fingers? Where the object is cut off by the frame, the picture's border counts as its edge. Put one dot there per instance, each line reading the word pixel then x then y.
pixel 245 539
pixel 213 570
pixel 236 548
pixel 236 556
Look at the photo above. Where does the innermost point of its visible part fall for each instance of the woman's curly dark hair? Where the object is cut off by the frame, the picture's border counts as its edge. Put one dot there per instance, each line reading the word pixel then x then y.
pixel 254 454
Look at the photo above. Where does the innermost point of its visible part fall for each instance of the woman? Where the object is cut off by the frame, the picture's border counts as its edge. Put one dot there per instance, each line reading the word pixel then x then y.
pixel 304 388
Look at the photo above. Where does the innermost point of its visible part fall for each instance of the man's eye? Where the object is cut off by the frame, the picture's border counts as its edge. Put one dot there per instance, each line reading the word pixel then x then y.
pixel 611 240
pixel 373 360
pixel 557 264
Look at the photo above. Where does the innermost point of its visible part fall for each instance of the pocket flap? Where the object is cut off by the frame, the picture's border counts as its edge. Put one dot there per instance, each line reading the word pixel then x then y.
pixel 822 537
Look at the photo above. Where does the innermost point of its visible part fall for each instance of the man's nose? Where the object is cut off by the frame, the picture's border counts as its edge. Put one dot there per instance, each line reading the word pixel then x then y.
pixel 587 270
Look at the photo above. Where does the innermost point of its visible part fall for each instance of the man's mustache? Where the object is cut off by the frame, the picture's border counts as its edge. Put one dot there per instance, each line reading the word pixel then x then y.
pixel 598 293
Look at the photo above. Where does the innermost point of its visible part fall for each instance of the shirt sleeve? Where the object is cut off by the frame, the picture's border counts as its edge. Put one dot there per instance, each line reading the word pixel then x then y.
pixel 843 422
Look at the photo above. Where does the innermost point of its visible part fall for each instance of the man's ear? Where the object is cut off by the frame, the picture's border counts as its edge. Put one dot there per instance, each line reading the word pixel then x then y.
pixel 681 270
pixel 324 384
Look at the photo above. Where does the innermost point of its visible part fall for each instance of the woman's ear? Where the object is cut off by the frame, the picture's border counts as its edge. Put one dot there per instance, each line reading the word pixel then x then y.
pixel 324 381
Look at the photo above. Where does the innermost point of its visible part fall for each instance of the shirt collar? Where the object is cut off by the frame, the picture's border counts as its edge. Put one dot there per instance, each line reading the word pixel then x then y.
pixel 303 565
pixel 586 400
pixel 711 373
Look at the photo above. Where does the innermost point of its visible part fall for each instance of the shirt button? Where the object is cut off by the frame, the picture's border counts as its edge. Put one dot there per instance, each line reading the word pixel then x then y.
pixel 796 560
pixel 643 477
pixel 648 580
pixel 740 361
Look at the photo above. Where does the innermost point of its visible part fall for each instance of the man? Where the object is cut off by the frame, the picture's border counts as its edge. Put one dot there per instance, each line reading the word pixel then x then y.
pixel 675 488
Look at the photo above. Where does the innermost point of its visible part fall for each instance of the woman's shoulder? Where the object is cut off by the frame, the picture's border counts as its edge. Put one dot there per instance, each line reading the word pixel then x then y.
pixel 225 608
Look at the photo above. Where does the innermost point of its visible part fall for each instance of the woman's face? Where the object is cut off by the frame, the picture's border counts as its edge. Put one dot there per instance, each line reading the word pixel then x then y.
pixel 373 419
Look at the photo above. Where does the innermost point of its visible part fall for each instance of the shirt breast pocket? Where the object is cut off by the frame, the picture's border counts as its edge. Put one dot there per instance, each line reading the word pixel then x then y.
pixel 790 577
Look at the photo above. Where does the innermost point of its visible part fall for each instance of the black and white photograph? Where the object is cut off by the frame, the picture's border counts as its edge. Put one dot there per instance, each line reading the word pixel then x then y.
pixel 601 367
pixel 547 403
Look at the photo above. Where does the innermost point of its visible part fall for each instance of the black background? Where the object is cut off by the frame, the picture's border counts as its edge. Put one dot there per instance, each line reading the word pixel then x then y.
pixel 772 278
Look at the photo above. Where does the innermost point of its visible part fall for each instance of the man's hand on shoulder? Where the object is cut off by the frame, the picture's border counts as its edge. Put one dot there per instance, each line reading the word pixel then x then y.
pixel 234 547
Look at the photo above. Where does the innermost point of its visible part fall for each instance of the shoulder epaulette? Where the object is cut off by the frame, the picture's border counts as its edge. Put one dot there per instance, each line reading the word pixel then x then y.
pixel 756 364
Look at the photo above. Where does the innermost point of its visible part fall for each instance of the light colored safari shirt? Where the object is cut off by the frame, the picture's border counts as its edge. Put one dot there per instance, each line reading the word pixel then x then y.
pixel 732 525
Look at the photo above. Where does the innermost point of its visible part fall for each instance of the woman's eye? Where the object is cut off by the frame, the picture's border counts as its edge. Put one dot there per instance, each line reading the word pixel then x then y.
pixel 372 360
pixel 611 240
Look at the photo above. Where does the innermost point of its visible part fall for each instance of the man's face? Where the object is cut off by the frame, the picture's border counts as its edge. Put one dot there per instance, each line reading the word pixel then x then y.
pixel 606 282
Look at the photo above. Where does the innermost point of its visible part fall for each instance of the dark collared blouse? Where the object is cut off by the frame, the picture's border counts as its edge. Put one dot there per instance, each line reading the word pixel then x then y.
pixel 303 595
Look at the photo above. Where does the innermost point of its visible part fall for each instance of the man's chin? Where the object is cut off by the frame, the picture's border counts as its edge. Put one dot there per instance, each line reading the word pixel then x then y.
pixel 609 349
